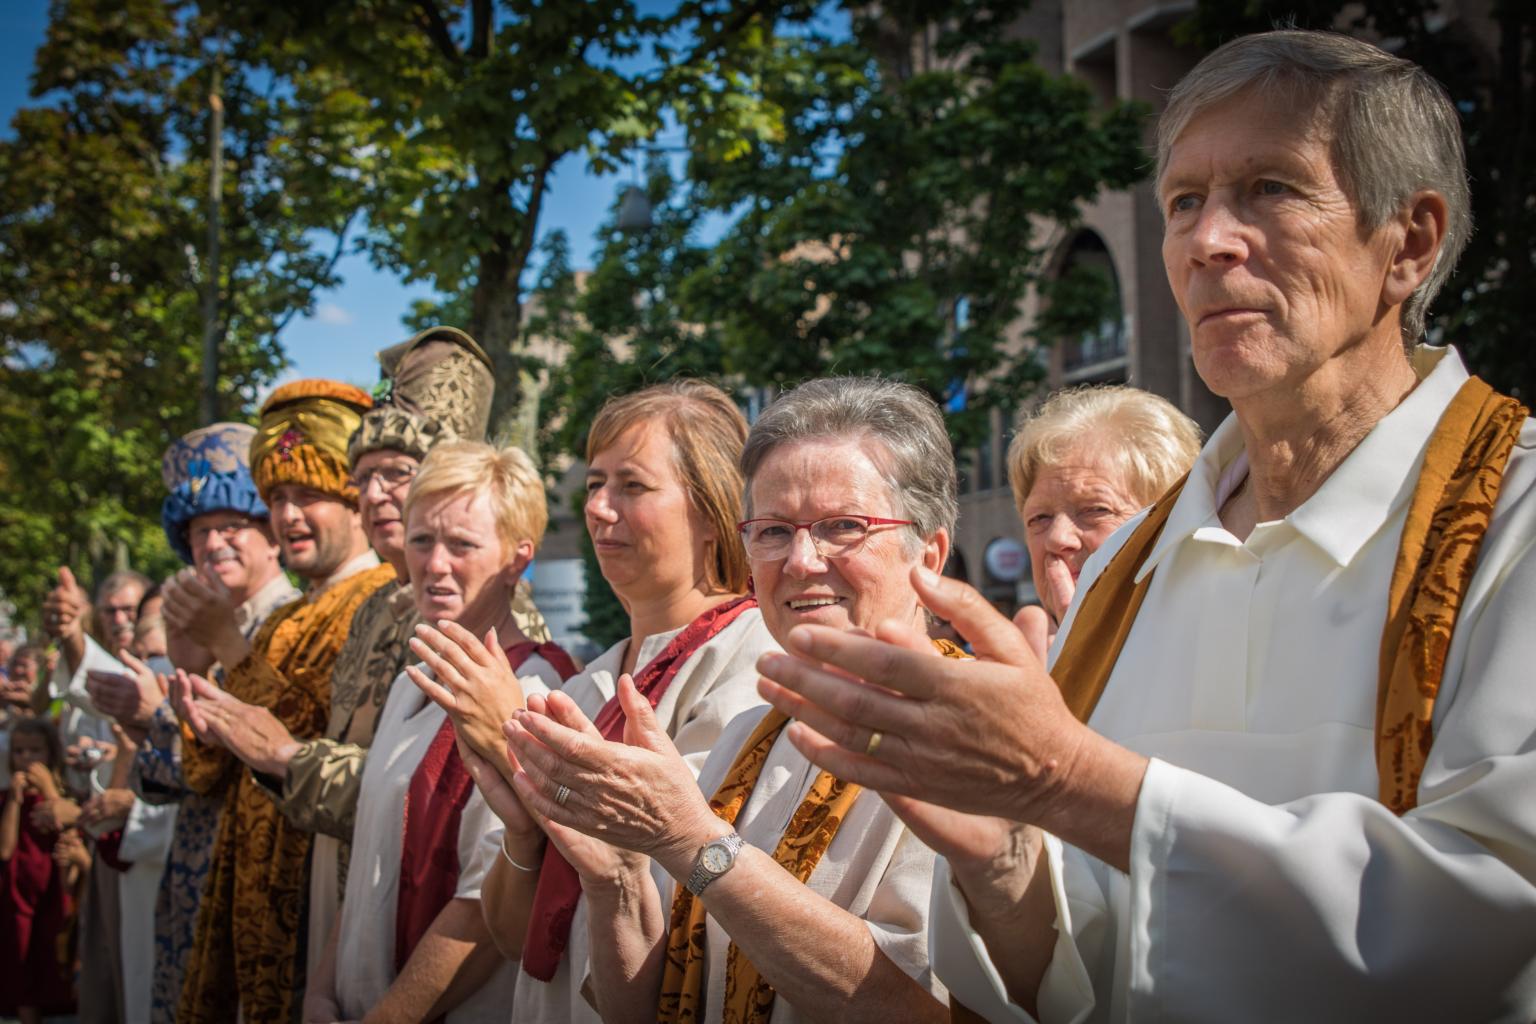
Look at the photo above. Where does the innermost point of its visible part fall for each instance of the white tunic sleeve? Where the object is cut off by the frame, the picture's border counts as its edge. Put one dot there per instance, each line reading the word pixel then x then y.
pixel 1326 907
pixel 897 915
pixel 70 687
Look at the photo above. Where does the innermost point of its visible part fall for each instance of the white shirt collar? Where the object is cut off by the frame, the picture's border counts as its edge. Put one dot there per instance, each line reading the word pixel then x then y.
pixel 1357 498
pixel 255 609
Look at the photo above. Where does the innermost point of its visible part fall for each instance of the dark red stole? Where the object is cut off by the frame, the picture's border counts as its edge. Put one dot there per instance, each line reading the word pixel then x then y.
pixel 554 902
pixel 434 803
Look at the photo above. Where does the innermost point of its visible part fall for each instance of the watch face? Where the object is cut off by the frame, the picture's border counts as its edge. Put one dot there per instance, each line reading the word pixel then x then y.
pixel 716 858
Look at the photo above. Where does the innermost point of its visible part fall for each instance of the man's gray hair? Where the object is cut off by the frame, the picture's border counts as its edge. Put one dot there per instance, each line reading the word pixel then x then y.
pixel 1394 129
pixel 918 464
pixel 121 579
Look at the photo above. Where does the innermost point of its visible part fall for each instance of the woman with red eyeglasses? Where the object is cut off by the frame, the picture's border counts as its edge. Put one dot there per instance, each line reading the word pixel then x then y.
pixel 779 892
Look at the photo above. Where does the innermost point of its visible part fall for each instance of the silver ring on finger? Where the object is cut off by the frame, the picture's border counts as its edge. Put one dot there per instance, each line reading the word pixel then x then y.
pixel 562 794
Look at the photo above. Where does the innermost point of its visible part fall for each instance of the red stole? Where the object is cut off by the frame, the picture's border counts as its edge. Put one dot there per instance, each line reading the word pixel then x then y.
pixel 554 902
pixel 434 803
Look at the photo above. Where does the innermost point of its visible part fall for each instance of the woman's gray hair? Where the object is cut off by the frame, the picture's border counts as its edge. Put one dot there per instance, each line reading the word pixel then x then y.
pixel 919 463
pixel 1140 437
pixel 1393 128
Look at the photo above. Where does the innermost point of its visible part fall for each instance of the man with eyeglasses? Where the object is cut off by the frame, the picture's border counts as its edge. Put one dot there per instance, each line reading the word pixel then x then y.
pixel 216 522
pixel 255 888
pixel 66 613
pixel 437 387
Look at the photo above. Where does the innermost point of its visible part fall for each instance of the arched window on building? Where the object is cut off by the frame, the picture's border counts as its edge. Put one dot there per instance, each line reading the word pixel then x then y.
pixel 1085 314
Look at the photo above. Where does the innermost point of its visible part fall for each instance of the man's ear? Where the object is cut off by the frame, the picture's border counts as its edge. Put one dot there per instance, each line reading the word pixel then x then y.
pixel 1423 222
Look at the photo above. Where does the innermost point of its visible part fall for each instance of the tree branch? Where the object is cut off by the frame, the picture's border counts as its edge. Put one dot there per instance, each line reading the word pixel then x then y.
pixel 480 39
pixel 437 30
pixel 531 212
pixel 330 265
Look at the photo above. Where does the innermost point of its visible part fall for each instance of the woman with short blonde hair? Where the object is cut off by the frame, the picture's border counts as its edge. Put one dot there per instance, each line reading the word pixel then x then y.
pixel 664 496
pixel 411 942
pixel 1081 464
pixel 507 476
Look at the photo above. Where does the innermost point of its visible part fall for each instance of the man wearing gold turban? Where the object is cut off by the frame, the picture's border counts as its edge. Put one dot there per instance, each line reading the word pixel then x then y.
pixel 248 960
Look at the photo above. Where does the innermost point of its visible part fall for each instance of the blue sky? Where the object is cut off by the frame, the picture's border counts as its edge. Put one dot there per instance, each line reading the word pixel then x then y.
pixel 351 322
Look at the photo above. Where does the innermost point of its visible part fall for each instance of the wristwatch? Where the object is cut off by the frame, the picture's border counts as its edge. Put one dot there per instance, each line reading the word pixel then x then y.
pixel 715 859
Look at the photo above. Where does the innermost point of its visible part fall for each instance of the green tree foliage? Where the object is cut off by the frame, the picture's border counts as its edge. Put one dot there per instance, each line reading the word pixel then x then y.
pixel 1489 69
pixel 890 221
pixel 892 225
pixel 897 226
pixel 620 328
pixel 480 100
pixel 102 220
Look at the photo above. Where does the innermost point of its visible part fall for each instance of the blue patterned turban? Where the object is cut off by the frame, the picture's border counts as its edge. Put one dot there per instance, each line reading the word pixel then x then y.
pixel 206 471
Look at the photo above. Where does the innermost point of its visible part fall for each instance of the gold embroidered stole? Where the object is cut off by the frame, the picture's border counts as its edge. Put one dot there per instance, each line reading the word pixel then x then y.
pixel 748 996
pixel 1448 514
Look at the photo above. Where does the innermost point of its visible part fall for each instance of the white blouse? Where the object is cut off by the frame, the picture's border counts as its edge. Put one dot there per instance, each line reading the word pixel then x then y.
pixel 710 689
pixel 365 951
pixel 874 868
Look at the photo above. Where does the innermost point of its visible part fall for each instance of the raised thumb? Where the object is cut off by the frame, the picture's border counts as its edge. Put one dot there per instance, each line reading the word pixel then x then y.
pixel 641 729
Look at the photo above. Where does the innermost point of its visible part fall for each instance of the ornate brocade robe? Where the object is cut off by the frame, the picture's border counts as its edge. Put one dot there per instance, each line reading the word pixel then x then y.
pixel 258 872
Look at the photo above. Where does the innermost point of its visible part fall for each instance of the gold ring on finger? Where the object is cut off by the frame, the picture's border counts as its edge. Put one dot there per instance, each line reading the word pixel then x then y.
pixel 874 743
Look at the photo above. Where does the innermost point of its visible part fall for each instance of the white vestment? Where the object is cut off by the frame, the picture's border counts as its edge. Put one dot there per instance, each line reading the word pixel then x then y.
pixel 146 842
pixel 874 868
pixel 712 687
pixel 365 950
pixel 1266 881
pixel 79 716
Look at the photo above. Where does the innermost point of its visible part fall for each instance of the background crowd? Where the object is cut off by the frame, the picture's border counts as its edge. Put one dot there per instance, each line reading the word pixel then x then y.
pixel 334 770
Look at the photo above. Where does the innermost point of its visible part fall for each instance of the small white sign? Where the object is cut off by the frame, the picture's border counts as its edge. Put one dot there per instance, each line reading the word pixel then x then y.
pixel 1006 559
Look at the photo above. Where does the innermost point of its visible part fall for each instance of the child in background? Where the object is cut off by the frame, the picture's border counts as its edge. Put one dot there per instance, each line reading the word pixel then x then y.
pixel 35 891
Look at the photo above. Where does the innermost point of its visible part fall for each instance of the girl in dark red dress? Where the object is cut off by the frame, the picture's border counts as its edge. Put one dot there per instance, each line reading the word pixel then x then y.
pixel 35 961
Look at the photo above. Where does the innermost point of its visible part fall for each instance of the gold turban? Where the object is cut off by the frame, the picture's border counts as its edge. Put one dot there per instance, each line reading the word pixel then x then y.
pixel 302 437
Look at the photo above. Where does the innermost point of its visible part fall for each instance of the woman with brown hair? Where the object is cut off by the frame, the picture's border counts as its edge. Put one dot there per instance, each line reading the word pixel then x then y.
pixel 663 499
pixel 778 893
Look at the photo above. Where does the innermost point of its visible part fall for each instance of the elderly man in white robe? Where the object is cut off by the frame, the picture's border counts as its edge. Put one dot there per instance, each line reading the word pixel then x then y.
pixel 1303 789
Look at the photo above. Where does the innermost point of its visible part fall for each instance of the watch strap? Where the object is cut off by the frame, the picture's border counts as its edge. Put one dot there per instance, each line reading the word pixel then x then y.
pixel 700 877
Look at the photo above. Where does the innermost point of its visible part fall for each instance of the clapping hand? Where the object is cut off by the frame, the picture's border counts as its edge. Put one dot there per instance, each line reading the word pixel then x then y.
pixel 249 731
pixel 472 681
pixel 639 795
pixel 985 737
pixel 131 699
pixel 200 612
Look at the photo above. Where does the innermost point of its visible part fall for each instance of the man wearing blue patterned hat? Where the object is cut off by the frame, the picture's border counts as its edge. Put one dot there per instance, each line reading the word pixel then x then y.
pixel 216 522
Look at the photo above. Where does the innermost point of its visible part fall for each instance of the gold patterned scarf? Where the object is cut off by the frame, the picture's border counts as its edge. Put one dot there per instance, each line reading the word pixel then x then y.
pixel 748 996
pixel 1448 514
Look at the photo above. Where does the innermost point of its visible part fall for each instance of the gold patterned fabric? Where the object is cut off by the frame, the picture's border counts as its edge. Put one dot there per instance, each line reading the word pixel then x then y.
pixel 248 957
pixel 302 437
pixel 1448 515
pixel 748 996
pixel 435 387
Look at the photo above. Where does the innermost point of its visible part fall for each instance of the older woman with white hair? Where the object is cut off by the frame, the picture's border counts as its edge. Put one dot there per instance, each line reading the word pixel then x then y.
pixel 1081 464
pixel 793 895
